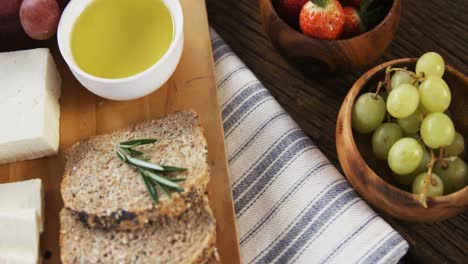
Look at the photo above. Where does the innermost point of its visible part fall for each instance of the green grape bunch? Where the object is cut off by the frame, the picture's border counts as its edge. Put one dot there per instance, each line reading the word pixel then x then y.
pixel 412 129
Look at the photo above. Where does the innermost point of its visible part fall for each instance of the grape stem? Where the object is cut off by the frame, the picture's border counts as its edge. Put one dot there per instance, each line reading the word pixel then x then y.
pixel 377 91
pixel 441 158
pixel 387 80
pixel 428 180
pixel 416 77
pixel 385 83
pixel 388 73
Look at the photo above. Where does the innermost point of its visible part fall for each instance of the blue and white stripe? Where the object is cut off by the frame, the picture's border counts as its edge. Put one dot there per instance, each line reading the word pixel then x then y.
pixel 292 205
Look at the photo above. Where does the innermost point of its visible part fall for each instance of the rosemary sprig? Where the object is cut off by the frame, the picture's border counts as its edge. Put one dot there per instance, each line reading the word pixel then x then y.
pixel 144 164
pixel 151 173
pixel 133 152
pixel 137 142
pixel 178 179
pixel 164 181
pixel 151 190
pixel 121 155
pixel 173 169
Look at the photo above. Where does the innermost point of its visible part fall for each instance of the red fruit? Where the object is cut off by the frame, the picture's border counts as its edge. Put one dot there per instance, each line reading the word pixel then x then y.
pixel 289 11
pixel 40 18
pixel 353 24
pixel 323 19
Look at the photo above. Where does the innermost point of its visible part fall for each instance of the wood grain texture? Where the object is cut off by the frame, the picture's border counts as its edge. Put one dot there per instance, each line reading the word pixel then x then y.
pixel 328 56
pixel 314 102
pixel 368 175
pixel 83 115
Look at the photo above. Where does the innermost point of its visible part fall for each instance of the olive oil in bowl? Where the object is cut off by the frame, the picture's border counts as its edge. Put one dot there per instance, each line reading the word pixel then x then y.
pixel 115 39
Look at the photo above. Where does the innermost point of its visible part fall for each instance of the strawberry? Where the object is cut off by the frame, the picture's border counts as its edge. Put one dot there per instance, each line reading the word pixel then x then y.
pixel 323 19
pixel 289 11
pixel 353 24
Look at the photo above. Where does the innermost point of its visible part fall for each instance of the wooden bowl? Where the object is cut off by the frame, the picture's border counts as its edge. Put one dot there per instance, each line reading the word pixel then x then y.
pixel 372 178
pixel 318 55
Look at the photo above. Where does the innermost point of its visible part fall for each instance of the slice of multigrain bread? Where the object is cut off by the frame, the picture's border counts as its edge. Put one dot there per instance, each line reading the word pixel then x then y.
pixel 107 193
pixel 187 238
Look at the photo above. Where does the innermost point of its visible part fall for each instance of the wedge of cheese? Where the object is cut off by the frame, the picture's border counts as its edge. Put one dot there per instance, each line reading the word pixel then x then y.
pixel 29 107
pixel 23 195
pixel 19 243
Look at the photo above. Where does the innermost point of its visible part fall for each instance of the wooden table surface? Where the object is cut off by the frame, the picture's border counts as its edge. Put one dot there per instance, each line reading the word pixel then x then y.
pixel 430 25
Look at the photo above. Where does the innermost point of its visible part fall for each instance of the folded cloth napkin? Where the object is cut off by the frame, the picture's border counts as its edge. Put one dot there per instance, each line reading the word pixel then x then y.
pixel 292 205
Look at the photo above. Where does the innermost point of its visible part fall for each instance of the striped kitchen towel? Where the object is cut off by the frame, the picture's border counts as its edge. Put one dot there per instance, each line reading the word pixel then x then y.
pixel 292 205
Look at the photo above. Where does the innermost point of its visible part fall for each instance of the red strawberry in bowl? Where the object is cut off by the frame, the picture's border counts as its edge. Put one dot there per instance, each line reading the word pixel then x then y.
pixel 289 11
pixel 353 24
pixel 322 19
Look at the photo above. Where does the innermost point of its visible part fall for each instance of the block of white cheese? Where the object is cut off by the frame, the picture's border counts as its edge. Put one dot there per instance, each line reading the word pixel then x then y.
pixel 29 107
pixel 19 243
pixel 23 195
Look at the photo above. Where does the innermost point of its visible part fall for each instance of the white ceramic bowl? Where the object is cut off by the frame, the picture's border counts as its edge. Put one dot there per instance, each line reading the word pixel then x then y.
pixel 131 87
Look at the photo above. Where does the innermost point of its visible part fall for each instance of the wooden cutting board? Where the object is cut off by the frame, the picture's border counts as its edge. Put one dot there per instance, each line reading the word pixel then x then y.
pixel 83 114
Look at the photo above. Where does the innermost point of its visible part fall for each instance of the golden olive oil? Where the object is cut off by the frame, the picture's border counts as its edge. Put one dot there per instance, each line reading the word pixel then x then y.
pixel 120 38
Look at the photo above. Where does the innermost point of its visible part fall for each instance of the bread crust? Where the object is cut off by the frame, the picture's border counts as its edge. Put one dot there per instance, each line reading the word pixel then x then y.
pixel 123 220
pixel 188 238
